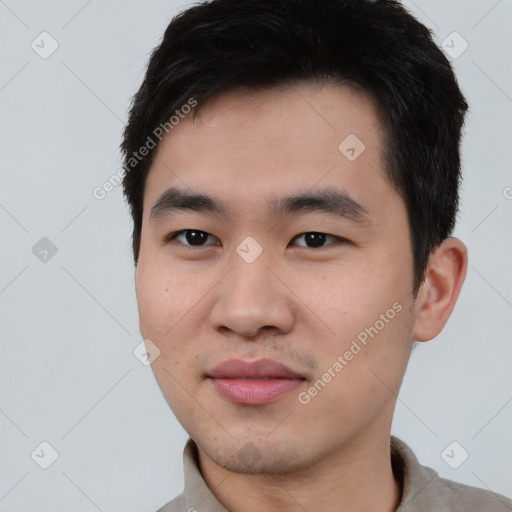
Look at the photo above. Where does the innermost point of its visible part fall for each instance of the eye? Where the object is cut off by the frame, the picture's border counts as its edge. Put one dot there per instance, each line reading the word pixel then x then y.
pixel 197 238
pixel 190 237
pixel 314 239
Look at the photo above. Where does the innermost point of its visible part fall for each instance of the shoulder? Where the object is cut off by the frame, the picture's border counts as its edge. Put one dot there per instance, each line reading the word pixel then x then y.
pixel 424 490
pixel 474 499
pixel 175 505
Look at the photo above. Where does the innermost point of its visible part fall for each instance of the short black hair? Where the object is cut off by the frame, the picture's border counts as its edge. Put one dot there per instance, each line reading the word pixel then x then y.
pixel 218 46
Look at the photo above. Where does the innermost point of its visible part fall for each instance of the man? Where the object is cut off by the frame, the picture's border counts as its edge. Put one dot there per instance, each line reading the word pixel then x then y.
pixel 292 170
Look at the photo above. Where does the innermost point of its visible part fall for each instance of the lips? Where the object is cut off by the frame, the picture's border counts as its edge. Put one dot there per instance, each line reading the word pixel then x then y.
pixel 253 383
pixel 261 369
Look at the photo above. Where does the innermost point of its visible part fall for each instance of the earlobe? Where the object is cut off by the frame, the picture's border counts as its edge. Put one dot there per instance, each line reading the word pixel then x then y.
pixel 444 276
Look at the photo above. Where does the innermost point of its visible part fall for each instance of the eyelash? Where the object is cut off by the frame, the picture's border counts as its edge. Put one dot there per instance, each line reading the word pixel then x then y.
pixel 172 236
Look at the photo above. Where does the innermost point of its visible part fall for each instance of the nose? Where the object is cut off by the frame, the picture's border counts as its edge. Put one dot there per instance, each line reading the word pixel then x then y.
pixel 253 299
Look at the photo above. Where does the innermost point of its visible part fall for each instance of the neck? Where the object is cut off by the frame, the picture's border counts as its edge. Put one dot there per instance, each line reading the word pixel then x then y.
pixel 355 478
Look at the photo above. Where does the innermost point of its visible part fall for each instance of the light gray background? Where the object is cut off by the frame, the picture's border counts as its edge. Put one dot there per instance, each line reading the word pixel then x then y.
pixel 69 325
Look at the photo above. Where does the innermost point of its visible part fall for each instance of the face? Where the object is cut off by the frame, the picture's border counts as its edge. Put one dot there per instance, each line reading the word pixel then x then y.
pixel 299 256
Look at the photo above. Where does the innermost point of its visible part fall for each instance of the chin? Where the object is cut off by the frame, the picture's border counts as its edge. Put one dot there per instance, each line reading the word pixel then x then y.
pixel 255 454
pixel 259 462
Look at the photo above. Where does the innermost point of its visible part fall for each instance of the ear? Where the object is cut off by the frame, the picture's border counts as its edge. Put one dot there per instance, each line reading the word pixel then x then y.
pixel 436 298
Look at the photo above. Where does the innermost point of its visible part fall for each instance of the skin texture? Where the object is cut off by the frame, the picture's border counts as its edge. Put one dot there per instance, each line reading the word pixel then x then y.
pixel 298 305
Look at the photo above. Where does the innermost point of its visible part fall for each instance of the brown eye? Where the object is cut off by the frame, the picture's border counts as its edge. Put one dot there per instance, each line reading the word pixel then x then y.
pixel 190 237
pixel 315 239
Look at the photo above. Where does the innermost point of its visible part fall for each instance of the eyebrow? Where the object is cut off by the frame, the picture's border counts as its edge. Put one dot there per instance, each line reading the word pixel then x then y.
pixel 328 200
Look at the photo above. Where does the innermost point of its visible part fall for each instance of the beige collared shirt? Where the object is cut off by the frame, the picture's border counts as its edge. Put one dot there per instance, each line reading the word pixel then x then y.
pixel 422 488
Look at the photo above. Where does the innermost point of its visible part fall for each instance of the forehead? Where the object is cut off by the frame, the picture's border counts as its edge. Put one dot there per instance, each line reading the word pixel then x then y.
pixel 246 146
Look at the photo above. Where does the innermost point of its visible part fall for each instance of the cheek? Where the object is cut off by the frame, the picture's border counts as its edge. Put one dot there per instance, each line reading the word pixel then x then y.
pixel 368 312
pixel 160 302
pixel 344 300
pixel 171 313
pixel 371 374
pixel 165 305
